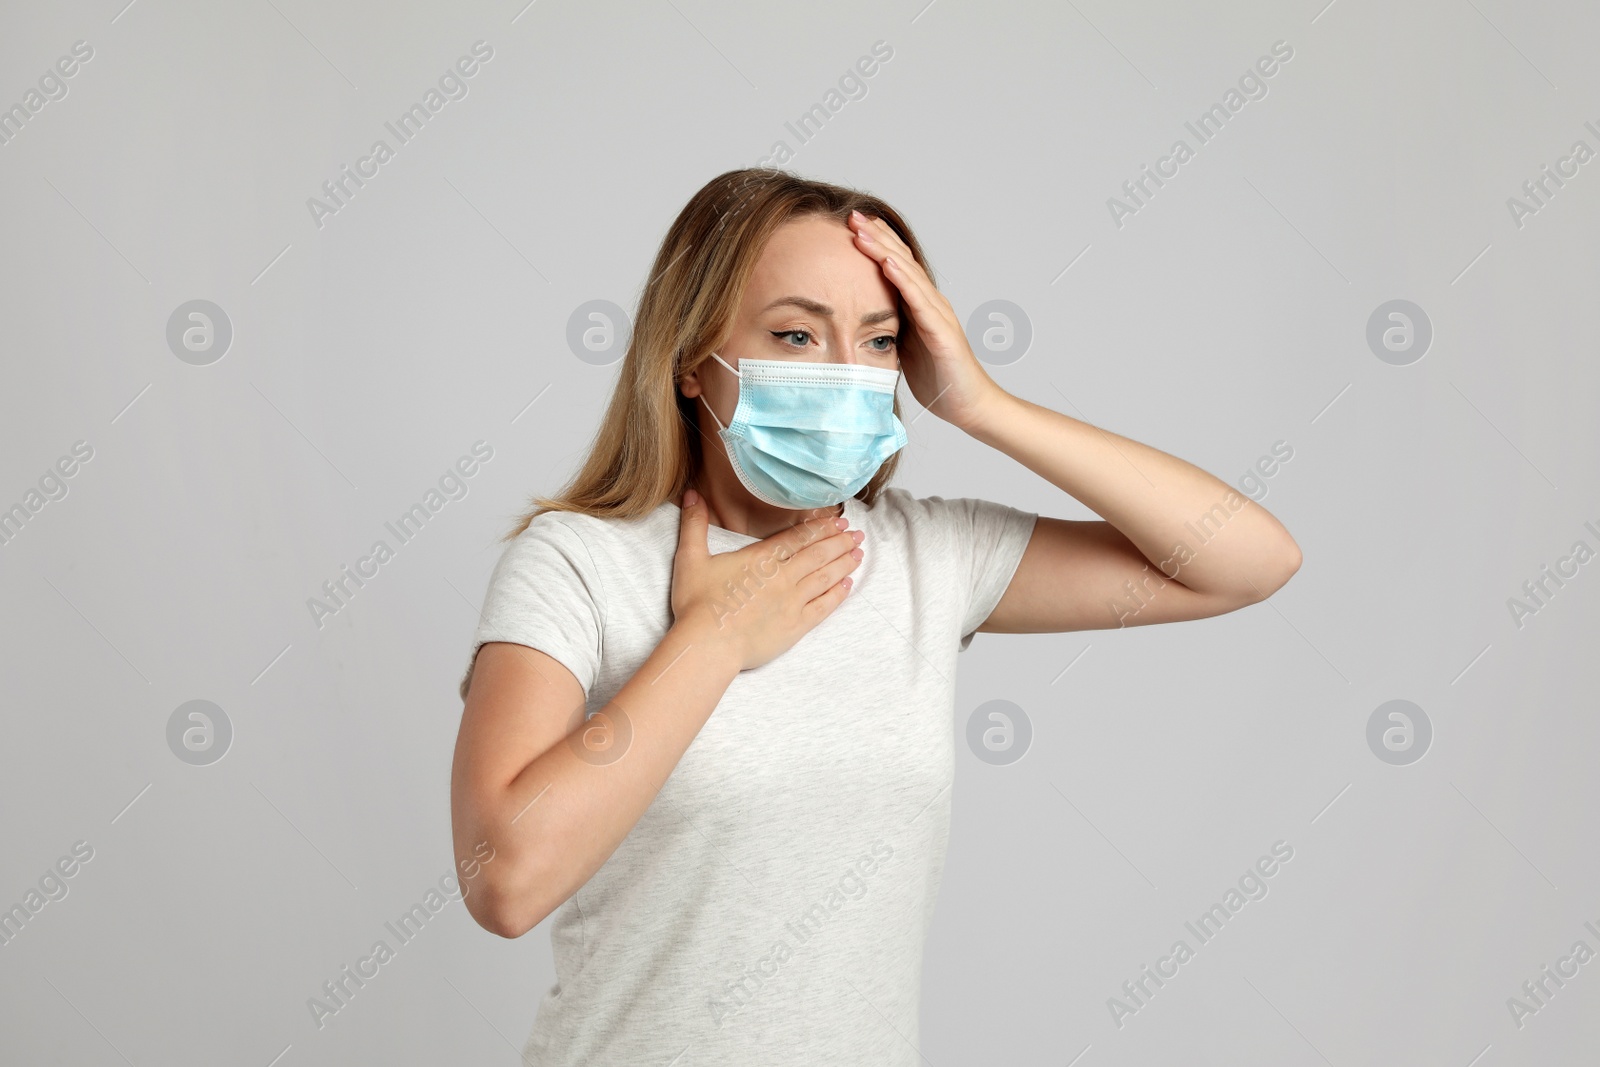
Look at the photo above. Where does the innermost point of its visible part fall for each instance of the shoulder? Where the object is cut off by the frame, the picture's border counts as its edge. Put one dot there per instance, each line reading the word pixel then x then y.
pixel 545 531
pixel 918 525
pixel 901 503
pixel 923 512
pixel 583 539
pixel 963 520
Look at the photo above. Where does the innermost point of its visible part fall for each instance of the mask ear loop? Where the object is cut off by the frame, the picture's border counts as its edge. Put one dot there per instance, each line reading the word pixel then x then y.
pixel 714 418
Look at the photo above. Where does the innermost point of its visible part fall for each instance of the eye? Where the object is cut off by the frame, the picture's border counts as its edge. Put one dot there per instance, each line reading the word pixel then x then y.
pixel 888 347
pixel 780 334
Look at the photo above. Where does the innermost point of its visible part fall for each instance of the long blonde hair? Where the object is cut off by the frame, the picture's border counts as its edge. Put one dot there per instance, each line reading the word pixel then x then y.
pixel 648 447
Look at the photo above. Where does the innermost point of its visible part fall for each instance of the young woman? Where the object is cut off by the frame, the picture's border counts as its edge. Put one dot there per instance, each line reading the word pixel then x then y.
pixel 708 720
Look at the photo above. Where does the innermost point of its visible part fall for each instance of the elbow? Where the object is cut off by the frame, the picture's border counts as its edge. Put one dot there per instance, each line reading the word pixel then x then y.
pixel 512 895
pixel 515 884
pixel 504 924
pixel 1284 566
pixel 1290 562
pixel 503 911
pixel 1265 576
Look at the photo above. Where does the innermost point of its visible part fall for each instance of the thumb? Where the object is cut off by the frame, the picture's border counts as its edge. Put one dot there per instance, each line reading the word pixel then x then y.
pixel 692 523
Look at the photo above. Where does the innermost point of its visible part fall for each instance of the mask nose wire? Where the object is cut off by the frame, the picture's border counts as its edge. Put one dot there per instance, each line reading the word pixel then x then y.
pixel 899 371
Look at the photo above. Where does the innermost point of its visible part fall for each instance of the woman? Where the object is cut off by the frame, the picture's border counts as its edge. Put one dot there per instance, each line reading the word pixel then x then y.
pixel 743 845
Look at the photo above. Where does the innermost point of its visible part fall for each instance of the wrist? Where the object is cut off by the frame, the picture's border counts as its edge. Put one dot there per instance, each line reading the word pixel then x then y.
pixel 698 637
pixel 990 413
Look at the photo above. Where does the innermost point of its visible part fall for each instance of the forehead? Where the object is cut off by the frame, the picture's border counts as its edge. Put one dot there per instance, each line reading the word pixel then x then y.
pixel 817 257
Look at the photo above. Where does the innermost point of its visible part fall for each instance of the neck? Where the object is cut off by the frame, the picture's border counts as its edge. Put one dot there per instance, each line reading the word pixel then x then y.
pixel 733 508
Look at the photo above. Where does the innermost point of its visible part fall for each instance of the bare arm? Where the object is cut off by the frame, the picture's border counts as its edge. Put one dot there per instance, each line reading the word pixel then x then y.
pixel 554 796
pixel 554 819
pixel 1176 542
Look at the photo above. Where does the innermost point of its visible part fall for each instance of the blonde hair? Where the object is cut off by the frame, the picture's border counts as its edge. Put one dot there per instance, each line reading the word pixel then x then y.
pixel 648 446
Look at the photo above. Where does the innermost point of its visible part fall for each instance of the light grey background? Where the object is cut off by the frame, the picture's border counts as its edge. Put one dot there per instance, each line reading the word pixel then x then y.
pixel 431 311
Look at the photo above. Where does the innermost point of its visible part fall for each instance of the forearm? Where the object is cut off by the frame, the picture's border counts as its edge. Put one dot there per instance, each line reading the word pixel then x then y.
pixel 561 818
pixel 1156 500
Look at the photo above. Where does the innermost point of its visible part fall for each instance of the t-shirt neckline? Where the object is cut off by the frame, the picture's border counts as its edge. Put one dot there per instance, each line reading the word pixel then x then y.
pixel 853 512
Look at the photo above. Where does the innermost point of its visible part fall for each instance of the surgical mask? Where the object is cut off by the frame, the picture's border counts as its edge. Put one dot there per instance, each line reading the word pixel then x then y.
pixel 810 435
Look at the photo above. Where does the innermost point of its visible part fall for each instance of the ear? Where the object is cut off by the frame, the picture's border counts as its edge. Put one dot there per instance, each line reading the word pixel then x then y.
pixel 690 386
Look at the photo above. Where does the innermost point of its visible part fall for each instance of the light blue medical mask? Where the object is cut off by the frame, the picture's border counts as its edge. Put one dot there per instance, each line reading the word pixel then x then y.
pixel 810 435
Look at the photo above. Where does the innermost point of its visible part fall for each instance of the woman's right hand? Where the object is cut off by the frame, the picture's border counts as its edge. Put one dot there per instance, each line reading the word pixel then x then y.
pixel 760 599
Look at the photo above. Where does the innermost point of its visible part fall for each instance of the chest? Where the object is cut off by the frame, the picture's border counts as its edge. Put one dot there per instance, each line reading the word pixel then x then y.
pixel 856 717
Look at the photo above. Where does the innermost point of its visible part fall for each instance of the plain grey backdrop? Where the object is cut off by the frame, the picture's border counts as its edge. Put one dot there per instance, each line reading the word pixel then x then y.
pixel 233 455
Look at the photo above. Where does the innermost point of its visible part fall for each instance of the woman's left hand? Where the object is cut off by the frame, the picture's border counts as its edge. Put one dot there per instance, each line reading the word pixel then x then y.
pixel 938 363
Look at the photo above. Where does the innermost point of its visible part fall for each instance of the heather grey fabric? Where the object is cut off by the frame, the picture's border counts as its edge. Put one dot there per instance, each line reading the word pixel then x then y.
pixel 772 903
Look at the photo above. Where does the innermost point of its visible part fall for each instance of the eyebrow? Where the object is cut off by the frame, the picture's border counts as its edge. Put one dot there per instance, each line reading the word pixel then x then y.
pixel 807 304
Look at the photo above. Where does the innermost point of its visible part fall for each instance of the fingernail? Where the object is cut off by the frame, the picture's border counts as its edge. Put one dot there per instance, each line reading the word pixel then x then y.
pixel 859 535
pixel 857 553
pixel 691 498
pixel 842 523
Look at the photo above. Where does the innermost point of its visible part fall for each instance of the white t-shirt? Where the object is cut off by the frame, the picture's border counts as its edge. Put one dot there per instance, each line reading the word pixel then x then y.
pixel 771 905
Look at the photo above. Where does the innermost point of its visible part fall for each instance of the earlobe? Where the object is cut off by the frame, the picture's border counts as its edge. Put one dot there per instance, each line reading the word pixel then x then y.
pixel 690 386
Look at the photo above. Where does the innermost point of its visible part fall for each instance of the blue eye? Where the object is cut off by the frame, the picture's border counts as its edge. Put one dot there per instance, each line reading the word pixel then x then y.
pixel 790 333
pixel 886 337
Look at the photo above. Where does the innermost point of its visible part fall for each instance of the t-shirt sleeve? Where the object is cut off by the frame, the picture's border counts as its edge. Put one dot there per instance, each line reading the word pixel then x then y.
pixel 545 593
pixel 988 541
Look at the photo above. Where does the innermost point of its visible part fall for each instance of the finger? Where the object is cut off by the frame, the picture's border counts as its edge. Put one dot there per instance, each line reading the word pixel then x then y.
pixel 692 523
pixel 920 294
pixel 870 244
pixel 886 237
pixel 878 240
pixel 827 576
pixel 785 544
pixel 819 555
pixel 821 607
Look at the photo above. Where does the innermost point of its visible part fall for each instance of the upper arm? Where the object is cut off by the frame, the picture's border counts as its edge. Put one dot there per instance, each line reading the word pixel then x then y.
pixel 1086 575
pixel 536 653
pixel 520 703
